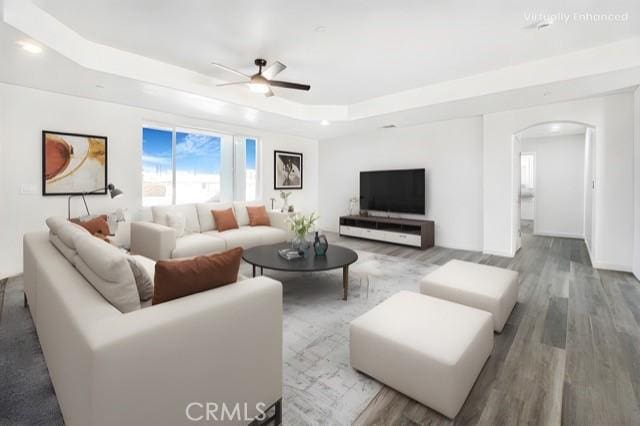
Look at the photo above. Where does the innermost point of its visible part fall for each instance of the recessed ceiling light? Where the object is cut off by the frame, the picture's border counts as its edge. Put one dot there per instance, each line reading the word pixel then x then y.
pixel 325 122
pixel 321 29
pixel 555 128
pixel 30 47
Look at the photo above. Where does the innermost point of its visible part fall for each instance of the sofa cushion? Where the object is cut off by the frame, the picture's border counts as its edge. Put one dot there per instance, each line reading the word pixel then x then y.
pixel 240 208
pixel 68 252
pixel 197 245
pixel 245 237
pixel 258 216
pixel 61 235
pixel 188 210
pixel 67 231
pixel 271 235
pixel 108 271
pixel 225 219
pixel 207 223
pixel 179 278
pixel 178 222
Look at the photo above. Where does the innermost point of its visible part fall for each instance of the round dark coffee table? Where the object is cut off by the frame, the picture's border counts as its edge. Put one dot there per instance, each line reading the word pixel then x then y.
pixel 267 257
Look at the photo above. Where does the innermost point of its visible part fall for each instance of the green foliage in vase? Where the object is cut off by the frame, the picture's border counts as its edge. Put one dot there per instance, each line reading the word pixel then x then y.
pixel 301 224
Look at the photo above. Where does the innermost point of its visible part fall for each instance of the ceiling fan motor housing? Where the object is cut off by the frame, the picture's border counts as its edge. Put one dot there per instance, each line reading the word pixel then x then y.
pixel 260 63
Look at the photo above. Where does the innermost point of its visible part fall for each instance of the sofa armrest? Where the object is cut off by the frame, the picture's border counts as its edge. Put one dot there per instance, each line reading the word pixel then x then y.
pixel 221 346
pixel 151 240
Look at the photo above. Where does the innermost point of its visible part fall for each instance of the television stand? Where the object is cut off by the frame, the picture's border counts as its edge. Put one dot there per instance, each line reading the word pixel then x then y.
pixel 408 232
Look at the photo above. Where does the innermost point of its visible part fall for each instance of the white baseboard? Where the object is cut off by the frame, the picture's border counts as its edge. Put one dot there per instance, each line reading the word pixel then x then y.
pixel 612 266
pixel 498 253
pixel 465 248
pixel 558 235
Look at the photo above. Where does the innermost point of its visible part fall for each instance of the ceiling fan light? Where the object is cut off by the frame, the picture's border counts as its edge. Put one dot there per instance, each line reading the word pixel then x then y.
pixel 259 87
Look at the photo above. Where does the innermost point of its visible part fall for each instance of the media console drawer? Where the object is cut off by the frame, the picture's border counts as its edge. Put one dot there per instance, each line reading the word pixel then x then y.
pixel 409 232
pixel 350 231
pixel 409 239
pixel 374 234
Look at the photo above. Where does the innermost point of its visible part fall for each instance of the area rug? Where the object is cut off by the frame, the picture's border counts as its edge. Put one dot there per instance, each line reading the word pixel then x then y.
pixel 320 387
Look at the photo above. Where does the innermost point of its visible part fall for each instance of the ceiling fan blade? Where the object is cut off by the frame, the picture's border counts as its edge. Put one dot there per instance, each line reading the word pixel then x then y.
pixel 289 85
pixel 273 70
pixel 231 70
pixel 232 84
pixel 269 93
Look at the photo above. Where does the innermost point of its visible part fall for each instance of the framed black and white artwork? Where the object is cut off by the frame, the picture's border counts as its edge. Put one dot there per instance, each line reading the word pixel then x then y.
pixel 287 170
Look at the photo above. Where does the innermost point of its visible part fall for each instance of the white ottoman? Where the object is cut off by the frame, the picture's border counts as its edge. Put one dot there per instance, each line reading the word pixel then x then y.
pixel 429 349
pixel 484 287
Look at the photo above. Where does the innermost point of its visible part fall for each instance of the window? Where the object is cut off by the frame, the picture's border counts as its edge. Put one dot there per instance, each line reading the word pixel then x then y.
pixel 251 169
pixel 157 167
pixel 197 167
pixel 191 166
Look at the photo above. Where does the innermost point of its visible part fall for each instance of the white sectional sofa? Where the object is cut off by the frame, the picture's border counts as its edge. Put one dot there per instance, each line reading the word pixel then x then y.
pixel 145 366
pixel 156 240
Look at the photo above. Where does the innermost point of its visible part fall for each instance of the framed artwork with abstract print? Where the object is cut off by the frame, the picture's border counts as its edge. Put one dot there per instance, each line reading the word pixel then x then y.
pixel 73 164
pixel 287 170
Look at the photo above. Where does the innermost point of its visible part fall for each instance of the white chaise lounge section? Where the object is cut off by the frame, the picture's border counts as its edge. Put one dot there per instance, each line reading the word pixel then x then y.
pixel 146 366
pixel 485 287
pixel 429 349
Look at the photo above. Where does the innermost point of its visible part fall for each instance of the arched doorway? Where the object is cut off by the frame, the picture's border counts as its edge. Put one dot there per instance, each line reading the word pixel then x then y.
pixel 559 157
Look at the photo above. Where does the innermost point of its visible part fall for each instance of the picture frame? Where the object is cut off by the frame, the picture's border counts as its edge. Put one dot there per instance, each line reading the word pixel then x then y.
pixel 73 163
pixel 288 168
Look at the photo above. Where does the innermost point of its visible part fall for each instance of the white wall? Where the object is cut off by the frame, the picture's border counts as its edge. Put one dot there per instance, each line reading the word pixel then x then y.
pixel 612 117
pixel 451 153
pixel 636 121
pixel 559 208
pixel 24 113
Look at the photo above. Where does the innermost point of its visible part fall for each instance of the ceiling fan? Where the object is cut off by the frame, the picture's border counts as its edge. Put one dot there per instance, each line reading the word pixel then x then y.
pixel 261 82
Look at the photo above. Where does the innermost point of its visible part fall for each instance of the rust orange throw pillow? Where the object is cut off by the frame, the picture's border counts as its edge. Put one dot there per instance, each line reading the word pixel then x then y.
pixel 225 219
pixel 179 278
pixel 97 227
pixel 258 216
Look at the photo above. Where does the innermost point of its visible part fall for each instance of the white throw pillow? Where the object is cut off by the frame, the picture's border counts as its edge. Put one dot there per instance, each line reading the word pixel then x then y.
pixel 108 271
pixel 143 280
pixel 178 222
pixel 188 210
pixel 62 234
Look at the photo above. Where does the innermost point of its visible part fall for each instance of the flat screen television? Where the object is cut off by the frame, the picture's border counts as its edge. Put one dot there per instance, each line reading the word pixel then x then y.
pixel 398 191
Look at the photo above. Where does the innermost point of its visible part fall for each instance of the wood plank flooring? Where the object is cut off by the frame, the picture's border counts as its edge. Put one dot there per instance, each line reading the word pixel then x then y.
pixel 569 353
